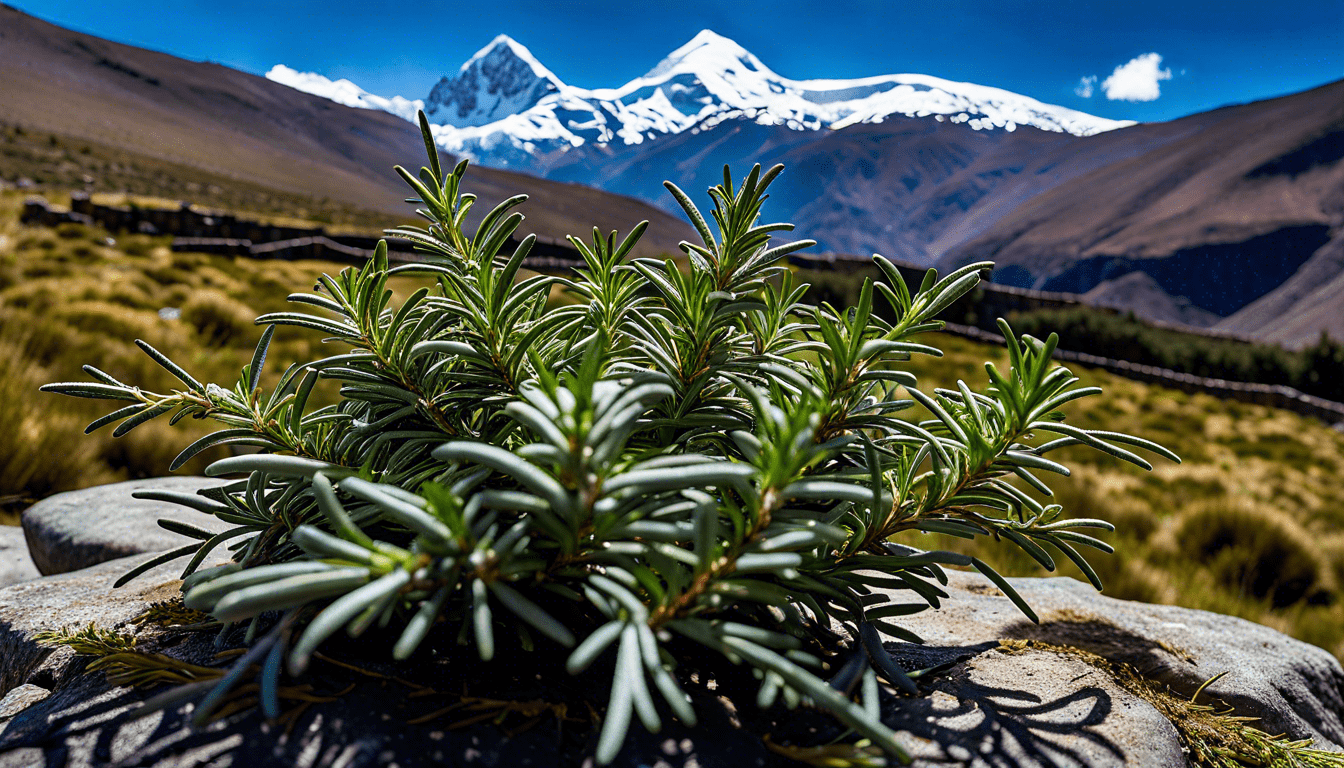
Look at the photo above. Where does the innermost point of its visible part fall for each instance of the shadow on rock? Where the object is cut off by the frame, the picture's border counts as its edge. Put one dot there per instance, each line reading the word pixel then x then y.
pixel 1160 661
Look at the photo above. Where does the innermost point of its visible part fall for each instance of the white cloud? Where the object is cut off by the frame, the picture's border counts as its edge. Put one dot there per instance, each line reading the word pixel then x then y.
pixel 1086 86
pixel 1137 80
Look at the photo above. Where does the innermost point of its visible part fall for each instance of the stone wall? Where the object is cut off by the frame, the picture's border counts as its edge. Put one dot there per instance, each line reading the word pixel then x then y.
pixel 223 233
pixel 1276 396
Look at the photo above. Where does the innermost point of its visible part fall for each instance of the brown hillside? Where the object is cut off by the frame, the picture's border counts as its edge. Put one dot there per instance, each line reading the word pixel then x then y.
pixel 1240 209
pixel 239 126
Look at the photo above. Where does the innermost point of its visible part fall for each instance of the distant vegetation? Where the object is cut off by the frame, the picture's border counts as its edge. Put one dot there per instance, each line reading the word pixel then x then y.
pixel 1316 370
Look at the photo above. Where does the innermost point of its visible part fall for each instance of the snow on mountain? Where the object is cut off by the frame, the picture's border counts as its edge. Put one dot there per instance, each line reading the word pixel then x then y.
pixel 501 80
pixel 343 92
pixel 505 109
pixel 707 80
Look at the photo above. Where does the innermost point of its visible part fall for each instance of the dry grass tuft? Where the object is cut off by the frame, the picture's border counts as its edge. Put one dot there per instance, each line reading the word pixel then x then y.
pixel 1256 551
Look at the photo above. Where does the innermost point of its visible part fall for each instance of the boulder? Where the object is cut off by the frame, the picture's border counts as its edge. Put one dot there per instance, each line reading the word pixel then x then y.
pixel 1003 692
pixel 1291 687
pixel 77 529
pixel 16 564
pixel 18 700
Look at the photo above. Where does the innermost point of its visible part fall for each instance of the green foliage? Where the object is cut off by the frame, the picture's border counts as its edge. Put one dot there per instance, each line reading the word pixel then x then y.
pixel 116 655
pixel 681 462
pixel 1316 370
pixel 91 640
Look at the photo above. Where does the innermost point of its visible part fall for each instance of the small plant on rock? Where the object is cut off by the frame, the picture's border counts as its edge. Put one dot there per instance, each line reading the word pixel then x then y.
pixel 684 462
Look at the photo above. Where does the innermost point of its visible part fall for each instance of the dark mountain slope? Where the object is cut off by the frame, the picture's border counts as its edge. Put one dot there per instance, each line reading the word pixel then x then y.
pixel 909 188
pixel 1242 212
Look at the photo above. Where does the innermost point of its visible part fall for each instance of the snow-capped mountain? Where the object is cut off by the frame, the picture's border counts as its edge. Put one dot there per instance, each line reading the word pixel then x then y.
pixel 501 80
pixel 343 92
pixel 909 166
pixel 504 108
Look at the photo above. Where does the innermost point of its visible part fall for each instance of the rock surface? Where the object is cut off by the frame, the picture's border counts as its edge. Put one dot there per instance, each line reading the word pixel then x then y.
pixel 1291 686
pixel 18 700
pixel 71 600
pixel 16 565
pixel 77 529
pixel 984 708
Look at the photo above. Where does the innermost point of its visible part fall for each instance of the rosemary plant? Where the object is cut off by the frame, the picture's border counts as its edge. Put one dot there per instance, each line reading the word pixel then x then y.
pixel 686 458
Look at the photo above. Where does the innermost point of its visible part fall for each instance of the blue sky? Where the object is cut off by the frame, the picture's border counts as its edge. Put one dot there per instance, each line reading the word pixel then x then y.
pixel 1210 54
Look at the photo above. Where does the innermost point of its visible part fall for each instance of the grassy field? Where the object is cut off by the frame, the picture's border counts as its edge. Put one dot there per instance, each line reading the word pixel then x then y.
pixel 76 295
pixel 1251 524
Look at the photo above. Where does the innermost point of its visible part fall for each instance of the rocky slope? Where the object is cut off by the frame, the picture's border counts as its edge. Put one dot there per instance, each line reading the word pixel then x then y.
pixel 1240 210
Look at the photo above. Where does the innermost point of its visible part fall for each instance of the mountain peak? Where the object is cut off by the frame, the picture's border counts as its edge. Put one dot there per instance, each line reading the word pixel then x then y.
pixel 708 37
pixel 505 48
pixel 501 79
pixel 708 51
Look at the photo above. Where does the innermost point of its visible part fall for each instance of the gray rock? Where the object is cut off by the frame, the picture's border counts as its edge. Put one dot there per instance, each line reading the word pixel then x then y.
pixel 77 529
pixel 984 708
pixel 1292 687
pixel 1033 709
pixel 16 564
pixel 72 600
pixel 18 700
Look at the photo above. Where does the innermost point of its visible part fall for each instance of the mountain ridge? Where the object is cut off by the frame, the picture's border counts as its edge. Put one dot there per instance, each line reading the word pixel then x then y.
pixel 1220 219
pixel 533 116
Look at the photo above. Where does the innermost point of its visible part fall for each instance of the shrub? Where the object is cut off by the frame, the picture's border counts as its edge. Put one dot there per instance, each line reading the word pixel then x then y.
pixel 137 245
pixel 217 318
pixel 1255 551
pixel 682 469
pixel 72 231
